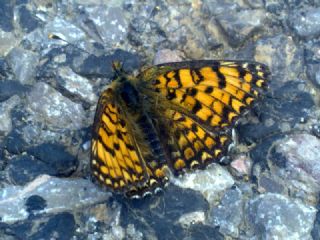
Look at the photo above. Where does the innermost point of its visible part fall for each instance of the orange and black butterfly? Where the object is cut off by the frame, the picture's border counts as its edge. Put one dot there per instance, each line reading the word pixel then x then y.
pixel 172 117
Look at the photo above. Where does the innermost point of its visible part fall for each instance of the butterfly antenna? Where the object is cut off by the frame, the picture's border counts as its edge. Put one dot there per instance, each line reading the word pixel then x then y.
pixel 56 37
pixel 117 68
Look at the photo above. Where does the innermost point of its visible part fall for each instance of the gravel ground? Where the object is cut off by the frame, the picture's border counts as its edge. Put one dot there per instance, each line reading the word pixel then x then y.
pixel 49 90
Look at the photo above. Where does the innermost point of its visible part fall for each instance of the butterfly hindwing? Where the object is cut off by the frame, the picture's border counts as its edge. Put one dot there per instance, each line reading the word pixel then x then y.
pixel 190 145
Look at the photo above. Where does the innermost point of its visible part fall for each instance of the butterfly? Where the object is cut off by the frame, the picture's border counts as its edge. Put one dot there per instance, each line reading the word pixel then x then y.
pixel 169 119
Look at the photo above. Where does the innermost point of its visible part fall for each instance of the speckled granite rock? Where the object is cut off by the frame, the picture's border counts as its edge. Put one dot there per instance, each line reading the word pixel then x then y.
pixel 48 94
pixel 275 216
pixel 57 195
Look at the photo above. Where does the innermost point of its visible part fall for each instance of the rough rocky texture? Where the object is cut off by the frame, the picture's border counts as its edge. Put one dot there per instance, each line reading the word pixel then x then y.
pixel 217 179
pixel 49 105
pixel 228 215
pixel 57 195
pixel 276 217
pixel 48 94
pixel 306 23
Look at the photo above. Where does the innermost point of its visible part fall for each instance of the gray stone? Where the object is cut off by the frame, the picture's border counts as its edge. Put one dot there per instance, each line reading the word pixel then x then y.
pixel 270 185
pixel 228 215
pixel 210 182
pixel 133 233
pixel 49 106
pixel 167 55
pixel 6 16
pixel 220 7
pixel 23 63
pixel 274 216
pixel 7 42
pixel 75 84
pixel 283 57
pixel 239 26
pixel 302 151
pixel 255 3
pixel 64 29
pixel 306 23
pixel 68 31
pixel 9 88
pixel 5 116
pixel 28 22
pixel 312 56
pixel 109 22
pixel 274 6
pixel 188 219
pixel 313 72
pixel 60 195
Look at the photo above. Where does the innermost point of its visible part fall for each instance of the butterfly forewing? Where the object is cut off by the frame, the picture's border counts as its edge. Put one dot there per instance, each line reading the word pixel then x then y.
pixel 118 160
pixel 198 103
pixel 114 160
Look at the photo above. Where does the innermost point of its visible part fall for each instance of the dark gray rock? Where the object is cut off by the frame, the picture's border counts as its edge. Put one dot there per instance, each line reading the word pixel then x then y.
pixel 56 157
pixel 315 130
pixel 28 22
pixel 275 6
pixel 10 88
pixel 6 16
pixel 61 226
pixel 315 233
pixel 24 169
pixel 15 143
pixel 199 231
pixel 312 56
pixel 101 66
pixel 164 214
pixel 35 203
pixel 5 70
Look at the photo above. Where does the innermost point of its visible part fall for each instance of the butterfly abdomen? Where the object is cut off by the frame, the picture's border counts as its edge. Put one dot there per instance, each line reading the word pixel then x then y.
pixel 152 138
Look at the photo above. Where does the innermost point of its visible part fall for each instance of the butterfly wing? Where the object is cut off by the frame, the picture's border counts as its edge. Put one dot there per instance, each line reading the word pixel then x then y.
pixel 198 103
pixel 118 158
